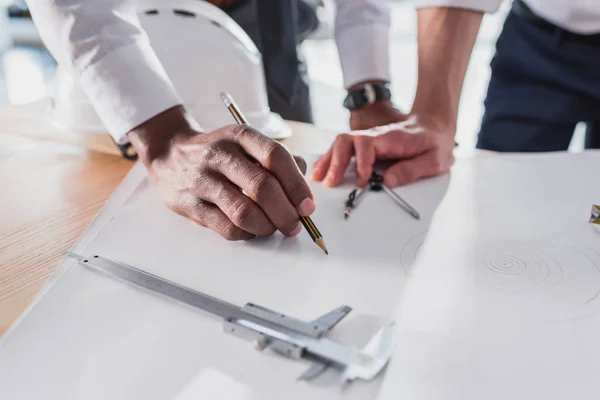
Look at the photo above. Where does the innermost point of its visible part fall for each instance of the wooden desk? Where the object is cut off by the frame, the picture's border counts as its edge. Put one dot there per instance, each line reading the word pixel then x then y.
pixel 52 184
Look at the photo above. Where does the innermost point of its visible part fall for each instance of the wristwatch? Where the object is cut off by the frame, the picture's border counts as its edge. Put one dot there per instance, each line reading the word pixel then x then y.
pixel 366 94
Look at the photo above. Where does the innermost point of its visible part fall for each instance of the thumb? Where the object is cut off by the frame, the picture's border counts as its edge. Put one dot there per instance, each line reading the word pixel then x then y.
pixel 301 164
pixel 400 144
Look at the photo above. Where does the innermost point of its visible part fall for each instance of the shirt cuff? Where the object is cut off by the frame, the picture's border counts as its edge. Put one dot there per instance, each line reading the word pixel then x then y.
pixel 364 53
pixel 128 87
pixel 486 6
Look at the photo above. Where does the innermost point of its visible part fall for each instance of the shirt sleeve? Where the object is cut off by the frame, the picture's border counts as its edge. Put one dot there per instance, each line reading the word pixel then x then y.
pixel 487 6
pixel 103 44
pixel 362 36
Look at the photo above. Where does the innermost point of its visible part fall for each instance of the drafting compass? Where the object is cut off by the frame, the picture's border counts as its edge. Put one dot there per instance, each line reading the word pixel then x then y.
pixel 595 217
pixel 281 333
pixel 376 184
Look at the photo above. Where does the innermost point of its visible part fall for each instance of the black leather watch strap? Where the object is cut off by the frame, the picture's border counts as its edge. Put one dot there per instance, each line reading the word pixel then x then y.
pixel 366 94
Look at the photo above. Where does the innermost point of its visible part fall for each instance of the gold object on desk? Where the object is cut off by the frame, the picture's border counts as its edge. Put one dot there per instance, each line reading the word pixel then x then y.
pixel 307 222
pixel 595 217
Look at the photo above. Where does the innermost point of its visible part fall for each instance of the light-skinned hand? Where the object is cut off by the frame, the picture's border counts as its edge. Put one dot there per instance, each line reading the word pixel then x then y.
pixel 419 148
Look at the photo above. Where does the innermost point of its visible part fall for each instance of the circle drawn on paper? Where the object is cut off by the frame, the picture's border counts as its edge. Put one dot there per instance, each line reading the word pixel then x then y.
pixel 410 251
pixel 520 269
pixel 548 281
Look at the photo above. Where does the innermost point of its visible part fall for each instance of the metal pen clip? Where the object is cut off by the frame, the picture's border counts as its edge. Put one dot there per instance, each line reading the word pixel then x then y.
pixel 376 184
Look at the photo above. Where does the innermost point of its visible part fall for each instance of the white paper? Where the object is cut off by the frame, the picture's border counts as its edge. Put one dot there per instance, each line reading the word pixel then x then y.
pixel 497 299
pixel 503 301
pixel 215 385
pixel 91 337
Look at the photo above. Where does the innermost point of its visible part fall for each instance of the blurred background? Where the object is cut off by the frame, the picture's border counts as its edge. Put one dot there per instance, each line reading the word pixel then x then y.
pixel 27 70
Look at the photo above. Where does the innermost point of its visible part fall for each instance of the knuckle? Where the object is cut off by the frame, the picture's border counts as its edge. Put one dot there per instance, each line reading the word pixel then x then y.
pixel 262 186
pixel 241 213
pixel 230 232
pixel 342 138
pixel 362 140
pixel 213 150
pixel 200 210
pixel 275 153
pixel 244 132
pixel 336 164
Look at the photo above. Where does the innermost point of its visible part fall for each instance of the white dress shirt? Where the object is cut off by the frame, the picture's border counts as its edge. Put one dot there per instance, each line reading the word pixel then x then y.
pixel 102 42
pixel 579 16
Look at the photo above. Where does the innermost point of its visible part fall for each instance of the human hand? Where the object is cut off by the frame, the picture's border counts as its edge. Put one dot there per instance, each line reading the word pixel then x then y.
pixel 201 176
pixel 377 114
pixel 422 146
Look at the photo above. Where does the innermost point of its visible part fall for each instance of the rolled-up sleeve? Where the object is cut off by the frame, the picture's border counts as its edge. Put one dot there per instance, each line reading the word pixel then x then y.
pixel 102 43
pixel 362 37
pixel 487 6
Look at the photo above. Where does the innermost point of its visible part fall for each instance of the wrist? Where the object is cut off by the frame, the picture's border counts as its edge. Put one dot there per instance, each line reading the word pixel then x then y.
pixel 440 110
pixel 154 139
pixel 380 105
pixel 433 122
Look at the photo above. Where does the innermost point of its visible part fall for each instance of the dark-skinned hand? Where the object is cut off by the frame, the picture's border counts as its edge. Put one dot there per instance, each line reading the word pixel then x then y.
pixel 202 175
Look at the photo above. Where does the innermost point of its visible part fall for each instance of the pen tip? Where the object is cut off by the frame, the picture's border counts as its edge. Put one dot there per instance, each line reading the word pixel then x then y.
pixel 321 243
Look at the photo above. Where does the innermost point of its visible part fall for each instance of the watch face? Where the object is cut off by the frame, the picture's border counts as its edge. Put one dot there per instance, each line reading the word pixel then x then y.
pixel 367 94
pixel 370 95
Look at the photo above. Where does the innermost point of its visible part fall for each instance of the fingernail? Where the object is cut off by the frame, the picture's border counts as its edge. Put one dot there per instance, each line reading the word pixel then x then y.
pixel 328 181
pixel 391 181
pixel 307 207
pixel 296 230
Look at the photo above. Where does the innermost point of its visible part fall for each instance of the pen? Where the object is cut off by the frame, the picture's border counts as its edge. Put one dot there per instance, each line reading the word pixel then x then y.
pixel 307 222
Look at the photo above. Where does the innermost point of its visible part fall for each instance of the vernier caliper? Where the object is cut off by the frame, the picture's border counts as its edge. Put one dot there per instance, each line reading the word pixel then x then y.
pixel 265 328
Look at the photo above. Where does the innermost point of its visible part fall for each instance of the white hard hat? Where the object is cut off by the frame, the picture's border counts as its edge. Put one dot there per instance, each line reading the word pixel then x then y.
pixel 204 53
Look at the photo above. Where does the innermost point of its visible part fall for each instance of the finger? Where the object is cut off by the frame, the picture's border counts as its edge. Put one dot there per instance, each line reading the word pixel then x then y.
pixel 301 164
pixel 408 171
pixel 365 158
pixel 210 216
pixel 320 168
pixel 399 144
pixel 264 189
pixel 241 210
pixel 275 158
pixel 342 152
